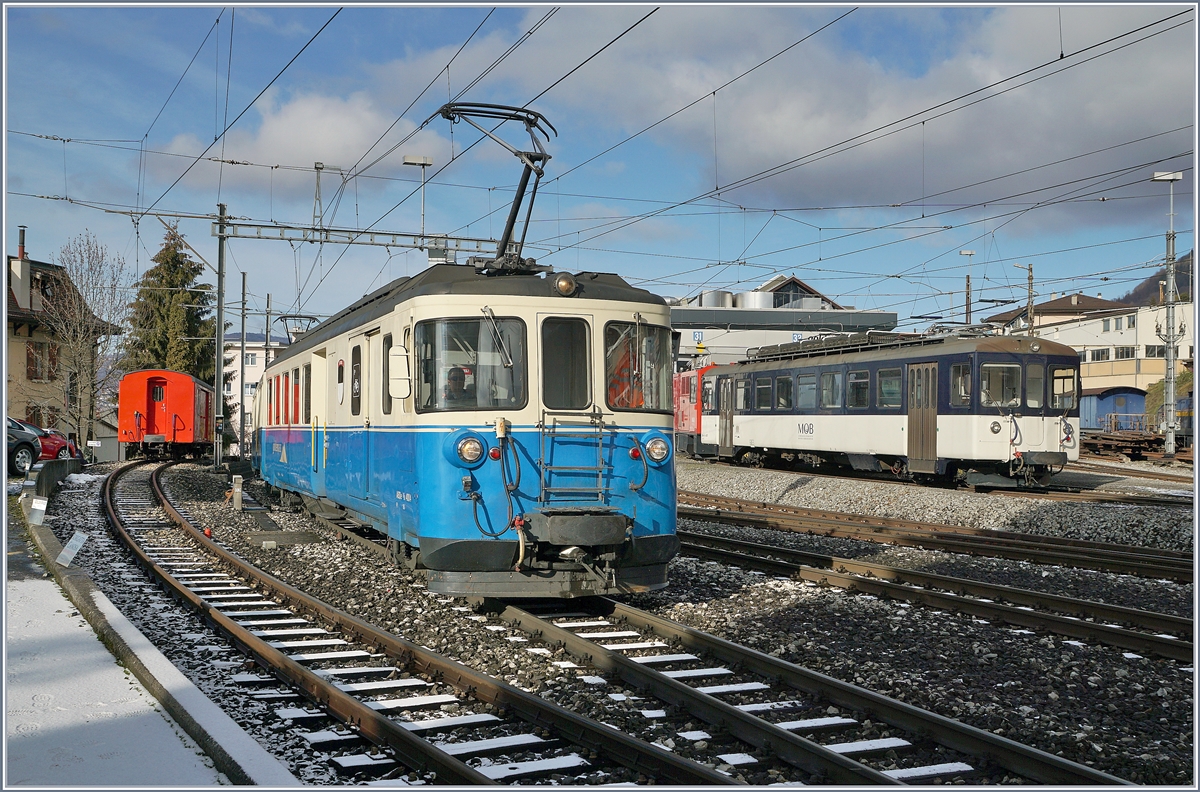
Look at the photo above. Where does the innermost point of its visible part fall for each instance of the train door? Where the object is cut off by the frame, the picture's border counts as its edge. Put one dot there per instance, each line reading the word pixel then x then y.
pixel 358 435
pixel 922 417
pixel 158 419
pixel 1032 422
pixel 725 406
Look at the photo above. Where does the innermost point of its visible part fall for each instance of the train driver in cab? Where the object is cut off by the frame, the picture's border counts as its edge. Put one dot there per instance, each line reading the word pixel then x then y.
pixel 456 393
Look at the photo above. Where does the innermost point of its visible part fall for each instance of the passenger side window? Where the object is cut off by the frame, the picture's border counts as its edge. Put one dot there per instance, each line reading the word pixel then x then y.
pixel 762 393
pixel 831 389
pixel 308 393
pixel 960 385
pixel 807 395
pixel 783 393
pixel 355 379
pixel 858 390
pixel 888 394
pixel 743 395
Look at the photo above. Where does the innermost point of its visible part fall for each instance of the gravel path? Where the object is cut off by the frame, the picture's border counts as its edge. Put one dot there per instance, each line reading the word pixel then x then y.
pixel 1167 528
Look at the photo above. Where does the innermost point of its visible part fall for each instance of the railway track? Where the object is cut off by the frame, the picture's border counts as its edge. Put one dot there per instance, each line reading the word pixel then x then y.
pixel 1127 628
pixel 783 708
pixel 1120 559
pixel 1128 472
pixel 364 694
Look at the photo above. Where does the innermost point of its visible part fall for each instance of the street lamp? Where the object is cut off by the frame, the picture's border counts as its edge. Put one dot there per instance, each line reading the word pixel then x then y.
pixel 423 162
pixel 1172 334
pixel 968 254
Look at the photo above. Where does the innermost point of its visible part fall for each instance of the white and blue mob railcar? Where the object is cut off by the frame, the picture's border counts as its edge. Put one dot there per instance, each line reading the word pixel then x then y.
pixel 983 408
pixel 509 431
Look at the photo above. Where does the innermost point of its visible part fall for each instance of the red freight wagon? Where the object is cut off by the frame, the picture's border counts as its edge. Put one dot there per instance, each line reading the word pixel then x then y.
pixel 164 411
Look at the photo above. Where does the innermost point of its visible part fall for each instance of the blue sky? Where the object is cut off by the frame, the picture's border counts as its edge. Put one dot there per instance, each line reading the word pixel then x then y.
pixel 880 143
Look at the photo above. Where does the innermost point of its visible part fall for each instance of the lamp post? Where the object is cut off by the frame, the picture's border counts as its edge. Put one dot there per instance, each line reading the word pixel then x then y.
pixel 968 254
pixel 423 162
pixel 1172 334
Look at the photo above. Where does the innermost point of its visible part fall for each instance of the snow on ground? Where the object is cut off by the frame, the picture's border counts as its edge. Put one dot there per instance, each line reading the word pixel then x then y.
pixel 76 718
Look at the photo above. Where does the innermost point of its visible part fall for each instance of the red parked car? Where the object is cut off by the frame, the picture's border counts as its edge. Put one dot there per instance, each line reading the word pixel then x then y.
pixel 55 444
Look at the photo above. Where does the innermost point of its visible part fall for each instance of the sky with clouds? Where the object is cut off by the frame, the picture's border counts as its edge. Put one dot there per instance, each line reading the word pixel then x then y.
pixel 697 147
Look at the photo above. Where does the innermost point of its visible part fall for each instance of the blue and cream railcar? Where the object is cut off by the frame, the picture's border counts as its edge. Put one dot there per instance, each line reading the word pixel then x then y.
pixel 990 409
pixel 509 432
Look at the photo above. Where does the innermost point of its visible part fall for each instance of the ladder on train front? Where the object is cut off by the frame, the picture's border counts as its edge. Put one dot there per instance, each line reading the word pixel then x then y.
pixel 581 482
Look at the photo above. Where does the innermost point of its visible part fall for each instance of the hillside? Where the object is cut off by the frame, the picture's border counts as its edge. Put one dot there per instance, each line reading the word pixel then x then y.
pixel 1146 292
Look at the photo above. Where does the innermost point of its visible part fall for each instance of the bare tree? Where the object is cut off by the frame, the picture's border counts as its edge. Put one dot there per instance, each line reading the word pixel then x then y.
pixel 86 309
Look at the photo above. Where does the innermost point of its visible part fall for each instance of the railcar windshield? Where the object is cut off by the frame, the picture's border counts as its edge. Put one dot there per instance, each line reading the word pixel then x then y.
pixel 470 364
pixel 1000 385
pixel 1064 388
pixel 637 366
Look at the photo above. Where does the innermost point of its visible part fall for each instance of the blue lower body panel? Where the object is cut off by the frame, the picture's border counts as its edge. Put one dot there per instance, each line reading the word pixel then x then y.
pixel 564 516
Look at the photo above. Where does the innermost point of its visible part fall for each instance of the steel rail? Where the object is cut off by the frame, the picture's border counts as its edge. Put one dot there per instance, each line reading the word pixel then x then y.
pixel 619 747
pixel 1135 562
pixel 1147 620
pixel 789 747
pixel 1024 760
pixel 850 575
pixel 940 528
pixel 1087 467
pixel 409 749
pixel 1165 501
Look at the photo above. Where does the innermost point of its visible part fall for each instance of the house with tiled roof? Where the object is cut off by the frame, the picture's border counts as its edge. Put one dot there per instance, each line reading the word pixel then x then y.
pixel 36 391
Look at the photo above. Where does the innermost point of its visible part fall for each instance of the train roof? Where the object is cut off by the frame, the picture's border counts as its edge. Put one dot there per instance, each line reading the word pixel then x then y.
pixel 168 374
pixel 883 342
pixel 447 279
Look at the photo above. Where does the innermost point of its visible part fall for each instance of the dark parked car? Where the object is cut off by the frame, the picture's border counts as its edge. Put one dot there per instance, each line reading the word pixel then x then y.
pixel 24 447
pixel 55 444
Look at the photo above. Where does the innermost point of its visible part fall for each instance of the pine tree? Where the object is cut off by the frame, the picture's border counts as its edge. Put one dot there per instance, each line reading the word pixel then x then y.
pixel 171 314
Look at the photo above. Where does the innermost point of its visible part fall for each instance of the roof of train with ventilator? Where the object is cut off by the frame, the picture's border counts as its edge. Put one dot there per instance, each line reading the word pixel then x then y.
pixel 456 279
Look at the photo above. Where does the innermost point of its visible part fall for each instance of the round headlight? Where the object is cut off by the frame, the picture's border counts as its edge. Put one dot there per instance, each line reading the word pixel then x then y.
pixel 470 450
pixel 657 449
pixel 995 427
pixel 564 284
pixel 1035 346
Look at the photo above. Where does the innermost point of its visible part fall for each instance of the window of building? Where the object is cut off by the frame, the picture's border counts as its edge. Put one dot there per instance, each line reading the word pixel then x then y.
pixel 762 393
pixel 1035 386
pixel 228 386
pixel 1117 323
pixel 1106 325
pixel 250 358
pixel 41 360
pixel 1131 321
pixel 1125 353
pixel 1158 351
pixel 888 394
pixel 960 385
pixel 858 389
pixel 783 393
pixel 1099 355
pixel 806 395
pixel 250 388
pixel 742 397
pixel 831 389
